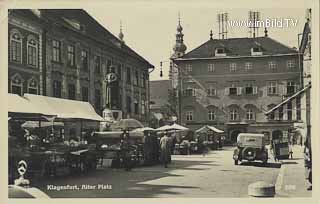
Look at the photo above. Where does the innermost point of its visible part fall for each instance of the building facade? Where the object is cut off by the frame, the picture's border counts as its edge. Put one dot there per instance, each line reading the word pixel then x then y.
pixel 66 53
pixel 232 83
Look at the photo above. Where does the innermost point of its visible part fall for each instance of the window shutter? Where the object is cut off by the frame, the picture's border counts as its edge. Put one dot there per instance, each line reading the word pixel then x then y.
pixel 255 90
pixel 214 92
pixel 239 90
pixel 284 89
pixel 226 91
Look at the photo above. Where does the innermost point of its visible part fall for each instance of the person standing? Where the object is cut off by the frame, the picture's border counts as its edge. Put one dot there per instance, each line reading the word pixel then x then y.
pixel 165 150
pixel 125 151
pixel 308 161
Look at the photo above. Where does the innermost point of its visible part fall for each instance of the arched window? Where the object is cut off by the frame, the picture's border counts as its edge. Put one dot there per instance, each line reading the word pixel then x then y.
pixel 32 86
pixel 211 115
pixel 234 114
pixel 16 47
pixel 32 51
pixel 17 84
pixel 249 114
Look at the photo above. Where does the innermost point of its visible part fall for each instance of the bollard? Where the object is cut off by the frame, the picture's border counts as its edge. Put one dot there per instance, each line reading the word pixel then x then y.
pixel 261 189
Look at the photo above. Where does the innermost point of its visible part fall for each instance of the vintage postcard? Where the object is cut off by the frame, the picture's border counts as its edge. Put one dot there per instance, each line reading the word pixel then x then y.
pixel 133 101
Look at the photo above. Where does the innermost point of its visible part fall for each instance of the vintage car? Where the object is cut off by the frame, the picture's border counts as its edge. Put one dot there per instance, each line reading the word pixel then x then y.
pixel 250 147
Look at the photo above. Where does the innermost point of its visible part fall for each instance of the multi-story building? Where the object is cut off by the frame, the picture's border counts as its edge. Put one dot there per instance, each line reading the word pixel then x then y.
pixel 66 53
pixel 302 121
pixel 231 84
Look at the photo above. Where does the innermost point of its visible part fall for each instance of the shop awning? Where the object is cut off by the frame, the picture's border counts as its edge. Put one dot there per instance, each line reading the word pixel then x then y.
pixel 288 99
pixel 207 127
pixel 20 107
pixel 63 108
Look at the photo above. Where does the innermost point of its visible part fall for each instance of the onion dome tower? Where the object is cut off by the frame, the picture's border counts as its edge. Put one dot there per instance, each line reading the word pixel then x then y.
pixel 179 48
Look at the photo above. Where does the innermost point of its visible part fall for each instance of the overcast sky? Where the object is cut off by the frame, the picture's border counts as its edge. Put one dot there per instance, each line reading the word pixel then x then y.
pixel 149 27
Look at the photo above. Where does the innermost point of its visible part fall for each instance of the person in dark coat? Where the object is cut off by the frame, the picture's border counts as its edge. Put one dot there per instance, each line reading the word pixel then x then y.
pixel 165 150
pixel 125 151
pixel 308 160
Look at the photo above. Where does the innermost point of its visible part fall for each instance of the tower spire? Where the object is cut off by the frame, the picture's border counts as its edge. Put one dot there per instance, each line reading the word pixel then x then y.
pixel 179 48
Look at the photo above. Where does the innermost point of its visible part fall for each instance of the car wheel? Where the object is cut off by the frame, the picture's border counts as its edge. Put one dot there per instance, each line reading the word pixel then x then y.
pixel 236 162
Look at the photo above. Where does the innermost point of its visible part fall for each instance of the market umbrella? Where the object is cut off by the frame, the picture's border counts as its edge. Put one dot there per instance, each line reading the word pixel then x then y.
pixel 175 126
pixel 164 128
pixel 127 124
pixel 143 129
pixel 207 127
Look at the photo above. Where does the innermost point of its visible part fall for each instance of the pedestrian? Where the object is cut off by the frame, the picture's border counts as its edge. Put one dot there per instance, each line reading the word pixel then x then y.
pixel 290 148
pixel 205 148
pixel 165 149
pixel 308 161
pixel 125 151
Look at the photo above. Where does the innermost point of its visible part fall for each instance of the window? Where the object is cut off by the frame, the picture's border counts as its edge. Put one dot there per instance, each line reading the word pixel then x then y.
pixel 71 55
pixel 56 51
pixel 233 90
pixel 250 114
pixel 128 71
pixel 136 78
pixel 109 64
pixel 119 72
pixel 97 99
pixel 57 89
pixel 291 64
pixel 210 67
pixel 136 107
pixel 189 115
pixel 250 89
pixel 248 66
pixel 189 68
pixel 280 113
pixel 97 66
pixel 298 107
pixel 72 91
pixel 143 107
pixel 33 86
pixel 233 114
pixel 190 91
pixel 211 115
pixel 271 115
pixel 211 91
pixel 272 87
pixel 128 104
pixel 16 48
pixel 17 85
pixel 84 60
pixel 85 93
pixel 144 80
pixel 289 110
pixel 32 52
pixel 256 49
pixel 220 50
pixel 233 67
pixel 291 87
pixel 272 65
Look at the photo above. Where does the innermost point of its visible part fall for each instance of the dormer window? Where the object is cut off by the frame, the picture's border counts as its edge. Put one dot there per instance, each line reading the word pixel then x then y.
pixel 220 52
pixel 256 51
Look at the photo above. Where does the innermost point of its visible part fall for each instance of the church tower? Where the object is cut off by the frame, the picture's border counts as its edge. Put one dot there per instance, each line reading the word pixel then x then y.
pixel 179 48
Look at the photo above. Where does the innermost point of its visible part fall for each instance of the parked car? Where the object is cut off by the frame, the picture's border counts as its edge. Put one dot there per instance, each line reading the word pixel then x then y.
pixel 250 147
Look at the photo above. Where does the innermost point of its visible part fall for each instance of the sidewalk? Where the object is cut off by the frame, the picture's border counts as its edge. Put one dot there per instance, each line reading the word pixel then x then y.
pixel 291 180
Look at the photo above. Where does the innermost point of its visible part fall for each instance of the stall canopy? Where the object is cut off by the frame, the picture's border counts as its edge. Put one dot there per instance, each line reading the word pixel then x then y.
pixel 207 127
pixel 22 108
pixel 63 108
pixel 35 124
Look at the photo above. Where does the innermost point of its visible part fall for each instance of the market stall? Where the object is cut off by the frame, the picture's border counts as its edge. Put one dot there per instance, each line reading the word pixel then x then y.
pixel 210 136
pixel 71 152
